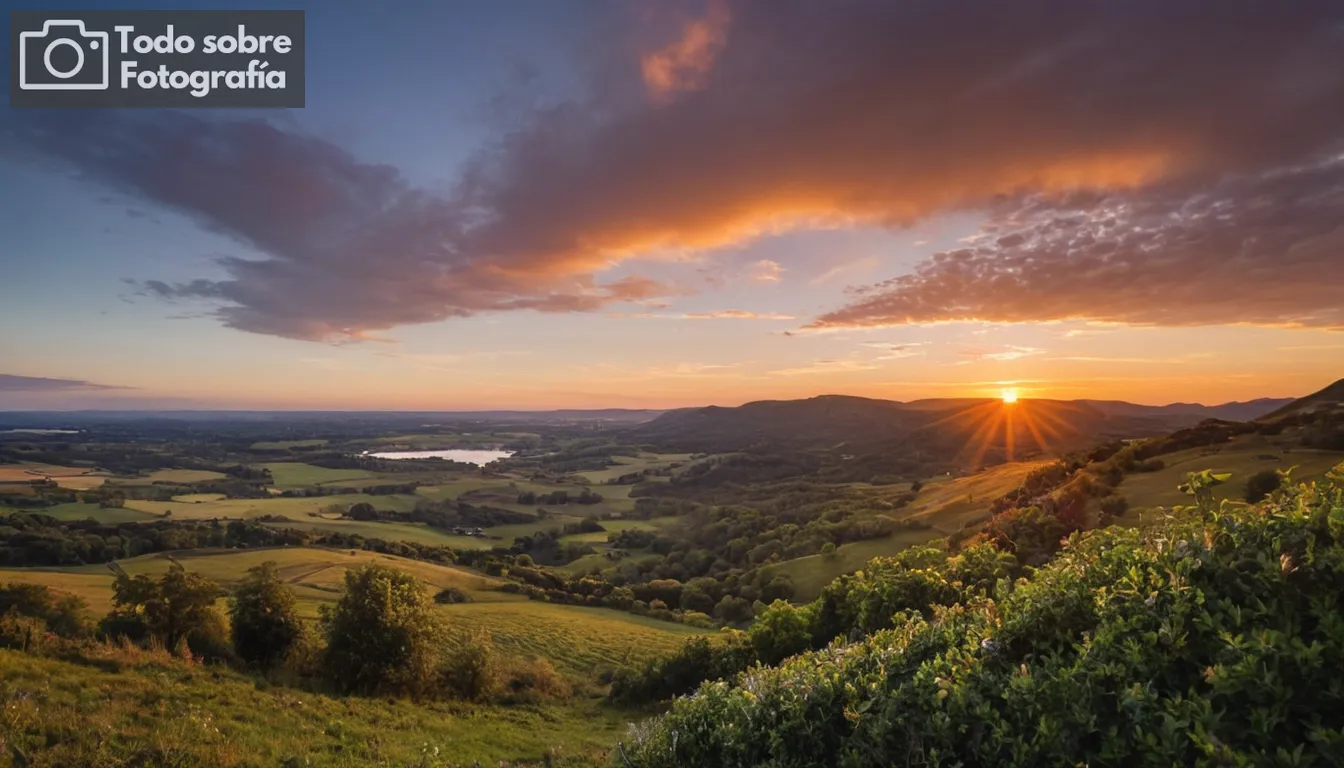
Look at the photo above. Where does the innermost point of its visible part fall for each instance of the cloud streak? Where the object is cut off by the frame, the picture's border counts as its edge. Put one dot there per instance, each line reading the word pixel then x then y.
pixel 10 382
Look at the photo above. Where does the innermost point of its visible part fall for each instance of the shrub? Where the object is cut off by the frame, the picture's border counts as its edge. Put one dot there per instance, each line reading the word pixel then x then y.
pixel 528 680
pixel 264 617
pixel 176 608
pixel 472 670
pixel 63 615
pixel 1114 506
pixel 1261 484
pixel 1133 647
pixel 451 596
pixel 383 634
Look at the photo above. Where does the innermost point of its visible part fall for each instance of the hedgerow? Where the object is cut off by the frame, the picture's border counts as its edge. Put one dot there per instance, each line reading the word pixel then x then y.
pixel 1212 638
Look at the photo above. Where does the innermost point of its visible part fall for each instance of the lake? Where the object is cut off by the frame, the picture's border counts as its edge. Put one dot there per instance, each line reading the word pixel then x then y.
pixel 456 454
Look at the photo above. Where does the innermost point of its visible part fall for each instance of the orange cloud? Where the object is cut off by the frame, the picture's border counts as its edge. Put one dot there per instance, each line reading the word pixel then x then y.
pixel 684 64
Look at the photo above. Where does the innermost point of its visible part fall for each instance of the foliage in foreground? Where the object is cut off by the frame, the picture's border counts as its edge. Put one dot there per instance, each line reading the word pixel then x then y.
pixel 1206 640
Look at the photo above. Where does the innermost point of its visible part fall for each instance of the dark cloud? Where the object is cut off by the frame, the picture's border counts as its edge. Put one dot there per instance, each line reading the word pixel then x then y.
pixel 754 116
pixel 14 383
pixel 1265 249
pixel 351 247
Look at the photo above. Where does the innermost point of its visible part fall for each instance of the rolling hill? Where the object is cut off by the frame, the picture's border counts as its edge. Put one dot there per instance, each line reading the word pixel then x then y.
pixel 1330 398
pixel 944 428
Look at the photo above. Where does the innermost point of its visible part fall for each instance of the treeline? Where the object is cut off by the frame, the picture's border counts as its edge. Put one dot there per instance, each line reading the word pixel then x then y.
pixel 559 498
pixel 28 539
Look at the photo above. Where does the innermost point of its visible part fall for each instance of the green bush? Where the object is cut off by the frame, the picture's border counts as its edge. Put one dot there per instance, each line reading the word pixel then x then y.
pixel 473 670
pixel 383 635
pixel 175 611
pixel 63 615
pixel 1211 639
pixel 1261 484
pixel 451 596
pixel 264 617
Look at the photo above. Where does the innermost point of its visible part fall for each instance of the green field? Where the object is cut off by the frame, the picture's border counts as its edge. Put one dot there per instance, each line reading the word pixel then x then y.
pixel 280 445
pixel 421 534
pixel 315 574
pixel 78 511
pixel 949 503
pixel 809 574
pixel 294 508
pixel 293 474
pixel 577 640
pixel 137 709
pixel 1242 457
pixel 627 464
pixel 183 476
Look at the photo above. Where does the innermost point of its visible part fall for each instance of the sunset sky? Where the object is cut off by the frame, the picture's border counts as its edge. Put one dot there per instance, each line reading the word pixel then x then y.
pixel 540 204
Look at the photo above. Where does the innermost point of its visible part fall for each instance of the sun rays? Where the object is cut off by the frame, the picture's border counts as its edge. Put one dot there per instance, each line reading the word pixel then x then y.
pixel 1018 427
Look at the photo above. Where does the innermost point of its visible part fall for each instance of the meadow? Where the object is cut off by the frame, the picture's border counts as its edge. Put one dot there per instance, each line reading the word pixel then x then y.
pixel 137 708
pixel 942 506
pixel 578 640
pixel 1243 457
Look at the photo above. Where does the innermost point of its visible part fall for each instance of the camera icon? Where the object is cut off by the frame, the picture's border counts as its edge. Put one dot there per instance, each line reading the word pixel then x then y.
pixel 46 61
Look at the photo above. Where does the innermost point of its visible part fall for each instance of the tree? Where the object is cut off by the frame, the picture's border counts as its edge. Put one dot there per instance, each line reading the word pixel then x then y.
pixel 383 634
pixel 175 609
pixel 1261 484
pixel 265 618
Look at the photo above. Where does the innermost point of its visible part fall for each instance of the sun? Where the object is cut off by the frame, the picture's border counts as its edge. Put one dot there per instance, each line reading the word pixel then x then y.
pixel 1009 396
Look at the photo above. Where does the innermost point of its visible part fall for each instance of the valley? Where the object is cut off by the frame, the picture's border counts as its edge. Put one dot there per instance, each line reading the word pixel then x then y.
pixel 598 549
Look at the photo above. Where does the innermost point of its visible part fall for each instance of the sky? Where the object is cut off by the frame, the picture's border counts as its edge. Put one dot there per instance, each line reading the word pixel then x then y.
pixel 593 203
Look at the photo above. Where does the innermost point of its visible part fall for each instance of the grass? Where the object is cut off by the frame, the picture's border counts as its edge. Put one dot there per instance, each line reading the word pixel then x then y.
pixel 29 471
pixel 155 711
pixel 421 534
pixel 316 575
pixel 577 640
pixel 627 464
pixel 185 476
pixel 611 526
pixel 810 574
pixel 948 503
pixel 293 474
pixel 295 508
pixel 79 511
pixel 279 445
pixel 1149 490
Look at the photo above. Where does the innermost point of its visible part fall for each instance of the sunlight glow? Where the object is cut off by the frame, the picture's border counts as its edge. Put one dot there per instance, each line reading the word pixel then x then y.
pixel 1009 395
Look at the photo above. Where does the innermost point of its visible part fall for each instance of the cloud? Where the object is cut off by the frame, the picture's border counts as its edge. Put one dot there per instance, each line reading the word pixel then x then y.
pixel 14 383
pixel 1261 249
pixel 766 271
pixel 828 366
pixel 767 115
pixel 1010 352
pixel 350 248
pixel 722 314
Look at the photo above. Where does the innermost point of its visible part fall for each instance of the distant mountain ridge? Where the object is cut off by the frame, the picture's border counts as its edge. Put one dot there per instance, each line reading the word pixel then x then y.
pixel 939 424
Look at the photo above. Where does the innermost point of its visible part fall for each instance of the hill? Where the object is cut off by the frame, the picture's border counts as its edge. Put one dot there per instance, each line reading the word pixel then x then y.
pixel 1331 398
pixel 1234 411
pixel 962 431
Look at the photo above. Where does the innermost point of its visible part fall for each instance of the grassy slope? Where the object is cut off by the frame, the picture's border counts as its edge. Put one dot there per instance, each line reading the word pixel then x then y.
pixel 296 508
pixel 945 503
pixel 574 638
pixel 168 713
pixel 1148 490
